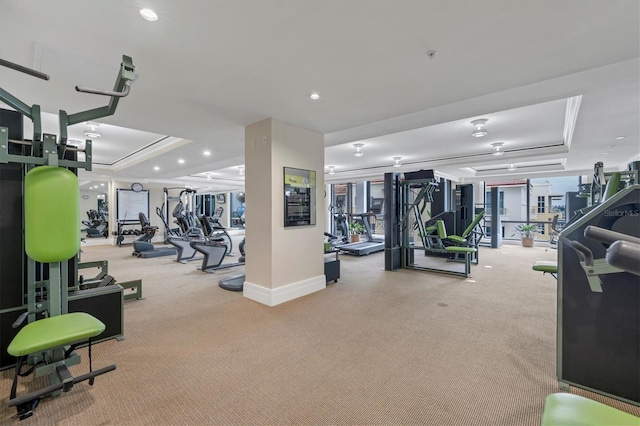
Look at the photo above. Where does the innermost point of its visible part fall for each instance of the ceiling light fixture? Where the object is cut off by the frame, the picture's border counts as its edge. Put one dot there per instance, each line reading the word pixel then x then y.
pixel 497 148
pixel 397 161
pixel 206 153
pixel 358 152
pixel 332 170
pixel 181 161
pixel 241 170
pixel 208 176
pixel 156 168
pixel 92 131
pixel 479 124
pixel 511 167
pixel 314 96
pixel 620 137
pixel 149 15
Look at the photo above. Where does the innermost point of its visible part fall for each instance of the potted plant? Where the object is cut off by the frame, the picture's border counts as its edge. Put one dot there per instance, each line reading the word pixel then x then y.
pixel 356 229
pixel 527 232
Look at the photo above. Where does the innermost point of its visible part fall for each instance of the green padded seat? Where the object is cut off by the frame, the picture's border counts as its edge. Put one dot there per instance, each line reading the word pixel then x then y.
pixel 456 249
pixel 567 410
pixel 457 239
pixel 431 229
pixel 54 332
pixel 546 266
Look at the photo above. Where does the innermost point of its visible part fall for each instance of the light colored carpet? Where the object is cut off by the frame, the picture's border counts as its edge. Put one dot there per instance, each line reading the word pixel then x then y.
pixel 404 347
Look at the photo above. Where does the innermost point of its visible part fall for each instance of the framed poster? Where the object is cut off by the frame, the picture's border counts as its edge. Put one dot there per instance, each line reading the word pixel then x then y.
pixel 299 197
pixel 220 198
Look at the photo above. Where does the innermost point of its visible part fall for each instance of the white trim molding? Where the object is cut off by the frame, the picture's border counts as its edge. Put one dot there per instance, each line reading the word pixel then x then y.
pixel 278 295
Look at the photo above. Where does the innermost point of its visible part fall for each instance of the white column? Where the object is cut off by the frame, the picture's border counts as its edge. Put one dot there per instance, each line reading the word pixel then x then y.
pixel 282 263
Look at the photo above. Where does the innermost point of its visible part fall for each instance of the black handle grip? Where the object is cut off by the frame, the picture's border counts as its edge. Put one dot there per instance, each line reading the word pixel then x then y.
pixel 585 254
pixel 25 70
pixel 18 322
pixel 607 236
pixel 125 91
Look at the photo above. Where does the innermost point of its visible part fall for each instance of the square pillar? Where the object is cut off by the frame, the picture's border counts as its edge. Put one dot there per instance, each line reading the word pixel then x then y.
pixel 283 263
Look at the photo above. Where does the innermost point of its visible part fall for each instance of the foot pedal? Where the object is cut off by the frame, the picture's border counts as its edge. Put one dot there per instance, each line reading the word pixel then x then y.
pixel 26 410
pixel 65 377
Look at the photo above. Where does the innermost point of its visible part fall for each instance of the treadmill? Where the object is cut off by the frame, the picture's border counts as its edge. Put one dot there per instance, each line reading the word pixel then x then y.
pixel 372 244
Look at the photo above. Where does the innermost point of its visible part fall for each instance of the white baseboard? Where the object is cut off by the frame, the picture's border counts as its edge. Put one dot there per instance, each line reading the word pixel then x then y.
pixel 278 295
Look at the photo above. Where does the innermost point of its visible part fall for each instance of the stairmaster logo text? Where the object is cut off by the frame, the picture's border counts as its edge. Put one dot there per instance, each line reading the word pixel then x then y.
pixel 620 213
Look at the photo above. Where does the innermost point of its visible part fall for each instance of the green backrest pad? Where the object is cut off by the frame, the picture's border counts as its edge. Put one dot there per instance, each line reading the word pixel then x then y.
pixel 51 214
pixel 473 224
pixel 545 266
pixel 612 186
pixel 566 409
pixel 442 231
pixel 54 332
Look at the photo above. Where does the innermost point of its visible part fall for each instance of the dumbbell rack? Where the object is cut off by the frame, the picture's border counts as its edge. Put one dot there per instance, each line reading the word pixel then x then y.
pixel 123 232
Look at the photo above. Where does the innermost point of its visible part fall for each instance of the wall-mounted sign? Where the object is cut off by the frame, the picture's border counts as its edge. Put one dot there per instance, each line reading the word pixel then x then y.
pixel 299 197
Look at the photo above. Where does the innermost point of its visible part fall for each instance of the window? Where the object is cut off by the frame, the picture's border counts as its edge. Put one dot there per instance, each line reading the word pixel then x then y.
pixel 541 204
pixel 541 228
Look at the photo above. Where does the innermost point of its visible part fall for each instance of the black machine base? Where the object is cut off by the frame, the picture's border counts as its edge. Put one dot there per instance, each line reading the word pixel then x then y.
pixel 233 283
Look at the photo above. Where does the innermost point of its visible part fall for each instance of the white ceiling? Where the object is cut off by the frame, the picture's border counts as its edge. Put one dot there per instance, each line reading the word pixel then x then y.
pixel 557 79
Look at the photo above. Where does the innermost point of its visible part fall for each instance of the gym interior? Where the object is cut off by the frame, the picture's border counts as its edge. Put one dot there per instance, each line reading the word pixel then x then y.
pixel 340 213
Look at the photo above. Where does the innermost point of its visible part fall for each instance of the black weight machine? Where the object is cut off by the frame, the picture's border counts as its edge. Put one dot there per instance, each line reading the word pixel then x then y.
pixel 598 342
pixel 405 232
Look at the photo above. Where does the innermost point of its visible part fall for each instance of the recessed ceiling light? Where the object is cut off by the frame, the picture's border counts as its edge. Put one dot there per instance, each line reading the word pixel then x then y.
pixel 358 149
pixel 181 161
pixel 511 167
pixel 156 168
pixel 497 148
pixel 207 153
pixel 620 137
pixel 397 161
pixel 332 170
pixel 92 131
pixel 606 153
pixel 149 15
pixel 315 96
pixel 479 124
pixel 102 184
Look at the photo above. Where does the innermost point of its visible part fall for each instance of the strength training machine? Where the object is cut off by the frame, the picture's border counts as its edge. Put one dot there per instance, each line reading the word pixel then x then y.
pixel 41 172
pixel 405 201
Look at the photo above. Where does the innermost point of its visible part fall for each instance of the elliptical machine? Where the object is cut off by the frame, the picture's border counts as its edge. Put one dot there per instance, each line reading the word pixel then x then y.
pixel 342 230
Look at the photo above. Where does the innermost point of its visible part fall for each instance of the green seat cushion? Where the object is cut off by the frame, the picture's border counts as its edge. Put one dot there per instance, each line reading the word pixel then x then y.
pixel 566 409
pixel 546 266
pixel 454 249
pixel 457 239
pixel 53 332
